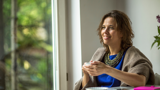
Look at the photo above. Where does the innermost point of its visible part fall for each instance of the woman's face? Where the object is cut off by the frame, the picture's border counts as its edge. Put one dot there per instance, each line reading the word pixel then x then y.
pixel 110 34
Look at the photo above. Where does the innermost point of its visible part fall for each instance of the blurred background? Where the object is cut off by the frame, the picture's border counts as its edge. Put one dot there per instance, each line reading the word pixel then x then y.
pixel 77 23
pixel 33 46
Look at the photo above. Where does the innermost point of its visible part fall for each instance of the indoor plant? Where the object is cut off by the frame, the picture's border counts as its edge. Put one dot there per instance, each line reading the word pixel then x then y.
pixel 157 37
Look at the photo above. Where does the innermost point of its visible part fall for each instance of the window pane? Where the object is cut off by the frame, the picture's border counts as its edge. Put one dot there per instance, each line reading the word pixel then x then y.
pixel 33 46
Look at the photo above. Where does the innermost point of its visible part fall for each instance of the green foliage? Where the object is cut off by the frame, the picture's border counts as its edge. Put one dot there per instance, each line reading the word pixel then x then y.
pixel 157 39
pixel 32 15
pixel 158 28
pixel 29 39
pixel 33 12
pixel 33 31
pixel 6 23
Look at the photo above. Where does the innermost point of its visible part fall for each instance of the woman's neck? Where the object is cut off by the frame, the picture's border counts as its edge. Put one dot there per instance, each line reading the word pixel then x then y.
pixel 114 50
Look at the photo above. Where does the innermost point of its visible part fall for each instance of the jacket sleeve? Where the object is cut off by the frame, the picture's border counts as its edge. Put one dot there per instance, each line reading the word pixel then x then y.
pixel 91 83
pixel 137 62
pixel 145 70
pixel 78 85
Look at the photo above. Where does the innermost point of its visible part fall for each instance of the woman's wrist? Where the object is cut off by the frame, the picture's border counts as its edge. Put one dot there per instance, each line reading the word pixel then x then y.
pixel 108 69
pixel 85 79
pixel 86 74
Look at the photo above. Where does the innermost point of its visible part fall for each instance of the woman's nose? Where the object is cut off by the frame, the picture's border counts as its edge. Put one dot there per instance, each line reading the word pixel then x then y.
pixel 106 30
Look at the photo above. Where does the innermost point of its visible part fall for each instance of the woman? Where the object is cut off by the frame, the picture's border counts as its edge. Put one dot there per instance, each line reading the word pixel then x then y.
pixel 118 63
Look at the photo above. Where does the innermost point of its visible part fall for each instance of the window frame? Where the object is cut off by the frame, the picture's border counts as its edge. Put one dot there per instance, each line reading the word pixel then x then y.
pixel 60 64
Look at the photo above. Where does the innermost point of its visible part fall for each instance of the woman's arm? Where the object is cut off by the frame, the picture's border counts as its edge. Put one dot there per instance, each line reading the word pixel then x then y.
pixel 132 79
pixel 85 80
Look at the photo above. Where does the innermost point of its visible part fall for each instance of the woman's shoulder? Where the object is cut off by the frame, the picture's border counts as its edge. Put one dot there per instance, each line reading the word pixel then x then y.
pixel 133 51
pixel 98 54
pixel 134 55
pixel 100 51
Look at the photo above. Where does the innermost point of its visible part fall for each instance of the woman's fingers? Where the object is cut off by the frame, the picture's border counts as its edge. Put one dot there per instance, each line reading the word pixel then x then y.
pixel 94 69
pixel 91 66
pixel 95 62
pixel 84 69
pixel 93 73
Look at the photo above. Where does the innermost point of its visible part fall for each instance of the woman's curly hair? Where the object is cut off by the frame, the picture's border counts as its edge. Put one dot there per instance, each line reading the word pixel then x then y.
pixel 123 25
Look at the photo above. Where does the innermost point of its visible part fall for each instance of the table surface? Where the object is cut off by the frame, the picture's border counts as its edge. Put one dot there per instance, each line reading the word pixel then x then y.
pixel 123 88
pixel 112 88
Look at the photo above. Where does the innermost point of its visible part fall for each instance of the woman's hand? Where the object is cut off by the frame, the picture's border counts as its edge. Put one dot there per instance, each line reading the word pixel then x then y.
pixel 85 75
pixel 96 68
pixel 84 69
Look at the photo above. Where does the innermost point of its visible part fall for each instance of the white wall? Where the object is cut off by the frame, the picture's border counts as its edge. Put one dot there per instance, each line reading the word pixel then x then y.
pixel 141 12
pixel 143 16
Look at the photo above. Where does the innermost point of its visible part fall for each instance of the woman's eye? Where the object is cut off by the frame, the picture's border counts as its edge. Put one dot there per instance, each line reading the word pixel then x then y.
pixel 111 28
pixel 103 27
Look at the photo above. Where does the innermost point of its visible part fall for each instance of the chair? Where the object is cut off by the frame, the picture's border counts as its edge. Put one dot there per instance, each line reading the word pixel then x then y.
pixel 157 79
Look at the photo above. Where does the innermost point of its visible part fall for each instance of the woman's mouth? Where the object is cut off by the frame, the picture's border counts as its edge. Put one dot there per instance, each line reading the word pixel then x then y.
pixel 106 37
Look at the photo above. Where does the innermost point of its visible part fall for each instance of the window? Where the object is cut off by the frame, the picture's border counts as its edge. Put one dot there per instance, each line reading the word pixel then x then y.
pixel 33 47
pixel 59 42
